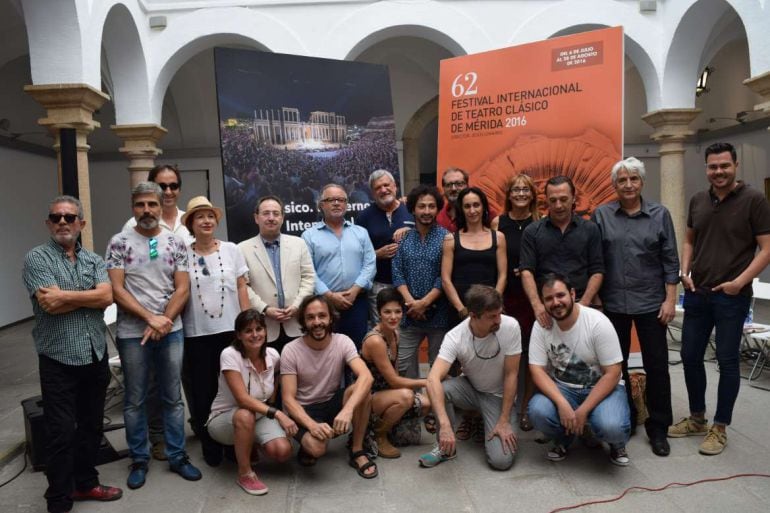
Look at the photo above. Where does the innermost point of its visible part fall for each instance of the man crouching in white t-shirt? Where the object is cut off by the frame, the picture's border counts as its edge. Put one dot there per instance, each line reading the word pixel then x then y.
pixel 488 346
pixel 576 365
pixel 312 368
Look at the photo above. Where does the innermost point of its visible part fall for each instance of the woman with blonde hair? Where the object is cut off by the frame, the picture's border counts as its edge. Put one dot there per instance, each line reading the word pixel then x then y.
pixel 520 211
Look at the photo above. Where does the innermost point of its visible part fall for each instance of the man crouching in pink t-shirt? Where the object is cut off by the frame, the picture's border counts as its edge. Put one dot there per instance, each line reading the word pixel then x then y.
pixel 312 368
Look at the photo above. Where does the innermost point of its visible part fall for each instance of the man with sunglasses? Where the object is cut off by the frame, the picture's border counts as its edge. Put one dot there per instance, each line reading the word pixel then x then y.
pixel 488 346
pixel 69 290
pixel 576 365
pixel 148 269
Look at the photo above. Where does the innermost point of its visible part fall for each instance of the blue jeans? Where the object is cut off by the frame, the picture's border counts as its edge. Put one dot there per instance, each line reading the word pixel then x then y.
pixel 609 420
pixel 704 311
pixel 165 355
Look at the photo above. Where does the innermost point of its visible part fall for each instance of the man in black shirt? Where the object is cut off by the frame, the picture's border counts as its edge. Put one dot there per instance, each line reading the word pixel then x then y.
pixel 561 243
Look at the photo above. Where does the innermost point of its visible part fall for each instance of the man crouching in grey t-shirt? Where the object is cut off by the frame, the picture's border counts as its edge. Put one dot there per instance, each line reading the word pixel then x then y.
pixel 488 346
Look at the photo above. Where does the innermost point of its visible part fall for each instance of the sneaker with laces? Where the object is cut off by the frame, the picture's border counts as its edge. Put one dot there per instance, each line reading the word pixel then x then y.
pixel 434 457
pixel 619 456
pixel 688 426
pixel 98 493
pixel 252 485
pixel 477 430
pixel 184 468
pixel 714 442
pixel 556 453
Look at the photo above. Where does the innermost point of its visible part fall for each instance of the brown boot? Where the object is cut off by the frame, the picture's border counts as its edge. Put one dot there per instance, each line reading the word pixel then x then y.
pixel 385 448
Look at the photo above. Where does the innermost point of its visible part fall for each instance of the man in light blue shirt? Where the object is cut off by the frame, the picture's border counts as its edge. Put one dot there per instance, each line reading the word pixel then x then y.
pixel 344 261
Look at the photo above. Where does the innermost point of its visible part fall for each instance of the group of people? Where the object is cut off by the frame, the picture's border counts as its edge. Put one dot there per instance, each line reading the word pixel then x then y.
pixel 310 338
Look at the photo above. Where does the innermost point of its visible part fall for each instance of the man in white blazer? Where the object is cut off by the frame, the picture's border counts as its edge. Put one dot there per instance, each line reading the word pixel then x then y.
pixel 281 272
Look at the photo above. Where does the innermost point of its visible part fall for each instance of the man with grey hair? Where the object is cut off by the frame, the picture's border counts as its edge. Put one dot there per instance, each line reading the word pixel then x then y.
pixel 488 346
pixel 382 219
pixel 148 269
pixel 641 275
pixel 69 290
pixel 344 262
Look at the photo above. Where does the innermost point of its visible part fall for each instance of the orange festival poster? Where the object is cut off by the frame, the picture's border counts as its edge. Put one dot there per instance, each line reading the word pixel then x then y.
pixel 547 108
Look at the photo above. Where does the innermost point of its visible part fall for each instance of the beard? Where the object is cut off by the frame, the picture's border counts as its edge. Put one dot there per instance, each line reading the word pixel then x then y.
pixel 327 330
pixel 148 222
pixel 564 311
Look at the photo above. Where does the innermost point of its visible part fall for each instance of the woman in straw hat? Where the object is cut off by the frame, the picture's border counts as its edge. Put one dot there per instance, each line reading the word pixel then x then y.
pixel 217 295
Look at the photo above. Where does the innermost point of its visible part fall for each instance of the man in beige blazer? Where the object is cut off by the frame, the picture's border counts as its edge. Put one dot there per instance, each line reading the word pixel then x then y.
pixel 281 272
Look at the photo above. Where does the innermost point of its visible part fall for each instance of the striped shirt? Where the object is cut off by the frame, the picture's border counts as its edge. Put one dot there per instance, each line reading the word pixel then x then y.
pixel 70 338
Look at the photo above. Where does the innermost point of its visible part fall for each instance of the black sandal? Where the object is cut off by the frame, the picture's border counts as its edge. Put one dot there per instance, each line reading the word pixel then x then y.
pixel 305 459
pixel 363 468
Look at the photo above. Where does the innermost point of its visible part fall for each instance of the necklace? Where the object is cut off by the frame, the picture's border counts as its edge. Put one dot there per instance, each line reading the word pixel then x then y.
pixel 200 261
pixel 520 222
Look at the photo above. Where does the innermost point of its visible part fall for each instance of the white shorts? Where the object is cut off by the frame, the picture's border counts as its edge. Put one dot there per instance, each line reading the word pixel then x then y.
pixel 220 427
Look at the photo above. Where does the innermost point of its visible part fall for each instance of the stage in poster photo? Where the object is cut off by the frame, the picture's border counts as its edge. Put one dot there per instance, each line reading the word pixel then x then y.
pixel 289 125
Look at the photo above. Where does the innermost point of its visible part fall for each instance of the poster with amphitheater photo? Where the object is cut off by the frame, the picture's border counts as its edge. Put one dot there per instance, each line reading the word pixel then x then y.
pixel 289 125
pixel 548 108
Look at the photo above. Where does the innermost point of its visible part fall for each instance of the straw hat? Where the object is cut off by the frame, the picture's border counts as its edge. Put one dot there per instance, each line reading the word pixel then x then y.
pixel 201 203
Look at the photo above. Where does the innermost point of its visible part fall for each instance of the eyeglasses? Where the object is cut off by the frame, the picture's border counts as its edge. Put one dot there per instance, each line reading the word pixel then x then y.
pixel 497 352
pixel 173 186
pixel 334 200
pixel 522 190
pixel 204 267
pixel 153 245
pixel 455 185
pixel 56 218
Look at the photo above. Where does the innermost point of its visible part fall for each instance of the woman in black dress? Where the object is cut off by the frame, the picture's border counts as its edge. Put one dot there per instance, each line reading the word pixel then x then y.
pixel 475 254
pixel 520 211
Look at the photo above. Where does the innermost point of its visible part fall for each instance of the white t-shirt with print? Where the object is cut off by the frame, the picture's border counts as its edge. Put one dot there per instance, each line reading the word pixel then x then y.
pixel 484 372
pixel 576 356
pixel 149 280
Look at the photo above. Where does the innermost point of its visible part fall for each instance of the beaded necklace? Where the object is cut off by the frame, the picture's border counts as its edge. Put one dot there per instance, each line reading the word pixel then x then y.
pixel 199 260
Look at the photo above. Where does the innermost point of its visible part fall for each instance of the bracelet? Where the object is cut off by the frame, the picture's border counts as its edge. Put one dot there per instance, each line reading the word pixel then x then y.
pixel 271 411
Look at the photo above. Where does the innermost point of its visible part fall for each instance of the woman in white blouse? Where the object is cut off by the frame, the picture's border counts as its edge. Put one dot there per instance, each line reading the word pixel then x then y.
pixel 242 413
pixel 217 272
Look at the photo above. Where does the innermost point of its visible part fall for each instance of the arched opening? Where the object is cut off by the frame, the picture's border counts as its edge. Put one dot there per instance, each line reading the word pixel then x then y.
pixel 413 63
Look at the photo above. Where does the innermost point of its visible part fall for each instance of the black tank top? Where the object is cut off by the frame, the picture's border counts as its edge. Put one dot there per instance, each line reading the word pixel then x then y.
pixel 474 266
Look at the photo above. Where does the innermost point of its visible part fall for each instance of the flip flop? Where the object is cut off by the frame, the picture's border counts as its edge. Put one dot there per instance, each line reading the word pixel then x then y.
pixel 363 468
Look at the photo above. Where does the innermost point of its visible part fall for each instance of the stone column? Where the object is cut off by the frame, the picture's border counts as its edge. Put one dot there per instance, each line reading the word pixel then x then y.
pixel 671 130
pixel 761 85
pixel 140 146
pixel 72 106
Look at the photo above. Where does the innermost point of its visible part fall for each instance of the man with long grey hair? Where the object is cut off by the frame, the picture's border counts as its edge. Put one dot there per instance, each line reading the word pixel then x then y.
pixel 641 275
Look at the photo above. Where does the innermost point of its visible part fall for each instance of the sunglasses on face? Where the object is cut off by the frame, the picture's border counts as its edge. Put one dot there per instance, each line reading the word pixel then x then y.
pixel 173 186
pixel 56 218
pixel 153 244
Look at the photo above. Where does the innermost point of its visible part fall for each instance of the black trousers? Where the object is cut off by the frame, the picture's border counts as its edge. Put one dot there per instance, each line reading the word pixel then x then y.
pixel 200 378
pixel 73 408
pixel 652 339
